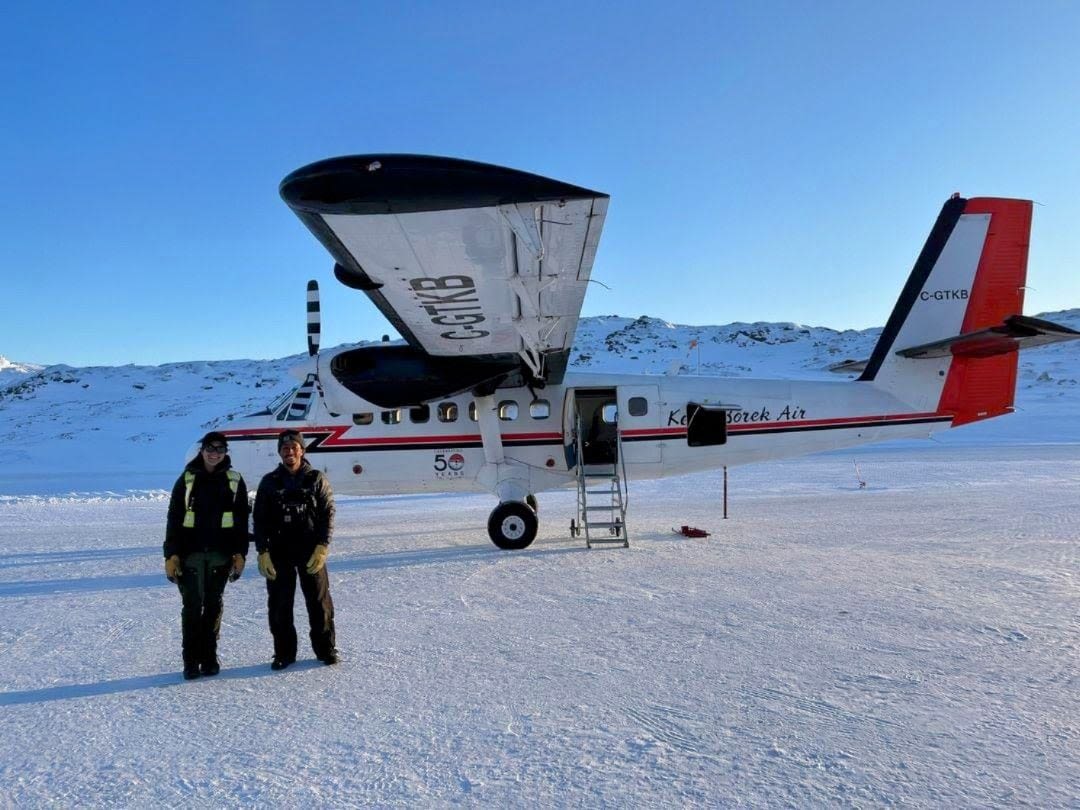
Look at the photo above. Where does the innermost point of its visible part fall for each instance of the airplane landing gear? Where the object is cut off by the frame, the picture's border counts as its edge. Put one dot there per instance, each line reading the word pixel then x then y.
pixel 512 525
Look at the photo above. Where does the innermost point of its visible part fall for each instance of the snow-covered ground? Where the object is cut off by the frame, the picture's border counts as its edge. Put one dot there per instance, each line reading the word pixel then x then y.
pixel 912 642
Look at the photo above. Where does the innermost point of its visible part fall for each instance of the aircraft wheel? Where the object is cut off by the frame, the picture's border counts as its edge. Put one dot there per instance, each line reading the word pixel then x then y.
pixel 530 499
pixel 512 525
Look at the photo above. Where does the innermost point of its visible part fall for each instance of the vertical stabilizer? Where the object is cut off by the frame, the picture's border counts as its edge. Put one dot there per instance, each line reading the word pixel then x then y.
pixel 969 276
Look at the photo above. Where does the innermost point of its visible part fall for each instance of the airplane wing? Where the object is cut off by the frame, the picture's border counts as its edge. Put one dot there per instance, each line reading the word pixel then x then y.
pixel 465 259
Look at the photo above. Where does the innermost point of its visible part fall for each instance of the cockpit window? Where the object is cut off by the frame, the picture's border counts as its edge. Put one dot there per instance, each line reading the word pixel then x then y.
pixel 280 406
pixel 299 407
pixel 294 405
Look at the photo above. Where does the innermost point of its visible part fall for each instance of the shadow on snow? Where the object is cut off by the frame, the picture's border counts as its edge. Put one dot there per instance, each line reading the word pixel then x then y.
pixel 118 685
pixel 28 558
pixel 353 563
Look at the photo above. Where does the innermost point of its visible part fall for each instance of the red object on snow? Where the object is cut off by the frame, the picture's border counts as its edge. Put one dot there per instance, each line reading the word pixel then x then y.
pixel 690 531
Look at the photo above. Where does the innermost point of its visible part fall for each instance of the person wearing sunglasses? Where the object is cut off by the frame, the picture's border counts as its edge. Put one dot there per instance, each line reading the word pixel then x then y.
pixel 206 544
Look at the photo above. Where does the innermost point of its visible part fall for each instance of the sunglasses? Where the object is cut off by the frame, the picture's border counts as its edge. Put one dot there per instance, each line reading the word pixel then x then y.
pixel 215 448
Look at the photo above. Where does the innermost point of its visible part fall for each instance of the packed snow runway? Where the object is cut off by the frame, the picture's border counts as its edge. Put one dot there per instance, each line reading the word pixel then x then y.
pixel 915 641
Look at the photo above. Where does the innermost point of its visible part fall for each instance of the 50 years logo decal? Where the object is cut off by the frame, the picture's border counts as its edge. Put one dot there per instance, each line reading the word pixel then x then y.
pixel 449 464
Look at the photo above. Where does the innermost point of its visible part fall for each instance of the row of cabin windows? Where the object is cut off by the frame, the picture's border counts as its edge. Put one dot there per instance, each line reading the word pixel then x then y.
pixel 448 412
pixel 296 409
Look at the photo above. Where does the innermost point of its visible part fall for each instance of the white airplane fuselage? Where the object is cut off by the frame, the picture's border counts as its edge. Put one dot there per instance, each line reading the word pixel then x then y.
pixel 374 451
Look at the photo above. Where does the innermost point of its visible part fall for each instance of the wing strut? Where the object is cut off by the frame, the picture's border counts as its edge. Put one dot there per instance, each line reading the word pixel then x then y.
pixel 490 429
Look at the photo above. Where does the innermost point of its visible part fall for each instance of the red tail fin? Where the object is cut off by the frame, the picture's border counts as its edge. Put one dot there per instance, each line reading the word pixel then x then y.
pixel 983 387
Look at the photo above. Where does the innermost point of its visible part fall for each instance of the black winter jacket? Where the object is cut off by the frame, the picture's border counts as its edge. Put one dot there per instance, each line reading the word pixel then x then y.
pixel 211 496
pixel 293 513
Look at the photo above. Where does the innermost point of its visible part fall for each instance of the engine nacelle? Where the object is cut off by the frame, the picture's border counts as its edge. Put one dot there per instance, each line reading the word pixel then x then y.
pixel 394 376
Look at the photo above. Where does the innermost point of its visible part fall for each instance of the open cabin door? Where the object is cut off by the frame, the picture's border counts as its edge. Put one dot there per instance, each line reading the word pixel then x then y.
pixel 706 425
pixel 569 429
pixel 592 413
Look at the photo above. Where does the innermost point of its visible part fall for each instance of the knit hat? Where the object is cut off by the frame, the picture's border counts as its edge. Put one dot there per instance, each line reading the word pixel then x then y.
pixel 294 436
pixel 214 437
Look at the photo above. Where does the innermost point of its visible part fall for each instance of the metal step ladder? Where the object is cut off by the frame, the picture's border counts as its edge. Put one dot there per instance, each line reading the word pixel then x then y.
pixel 602 500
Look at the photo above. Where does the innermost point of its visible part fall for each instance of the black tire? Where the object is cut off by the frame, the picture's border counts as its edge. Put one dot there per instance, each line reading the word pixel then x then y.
pixel 530 501
pixel 512 525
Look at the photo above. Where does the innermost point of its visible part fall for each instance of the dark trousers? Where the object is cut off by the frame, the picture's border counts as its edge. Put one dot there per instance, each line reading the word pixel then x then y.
pixel 320 608
pixel 202 586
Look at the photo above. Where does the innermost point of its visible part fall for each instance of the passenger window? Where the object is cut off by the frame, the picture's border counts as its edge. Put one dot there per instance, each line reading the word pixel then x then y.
pixel 420 414
pixel 391 417
pixel 365 418
pixel 508 410
pixel 540 409
pixel 448 411
pixel 610 413
pixel 638 406
pixel 472 410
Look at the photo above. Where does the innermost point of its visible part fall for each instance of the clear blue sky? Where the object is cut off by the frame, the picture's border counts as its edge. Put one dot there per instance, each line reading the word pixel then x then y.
pixel 766 161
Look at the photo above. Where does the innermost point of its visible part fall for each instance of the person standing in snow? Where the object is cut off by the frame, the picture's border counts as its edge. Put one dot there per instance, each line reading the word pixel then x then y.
pixel 206 544
pixel 293 525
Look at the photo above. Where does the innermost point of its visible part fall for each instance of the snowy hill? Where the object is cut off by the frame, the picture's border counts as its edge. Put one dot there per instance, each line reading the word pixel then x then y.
pixel 127 427
pixel 11 372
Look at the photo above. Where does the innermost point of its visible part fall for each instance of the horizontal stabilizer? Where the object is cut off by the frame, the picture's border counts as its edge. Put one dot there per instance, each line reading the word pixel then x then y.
pixel 849 366
pixel 1017 332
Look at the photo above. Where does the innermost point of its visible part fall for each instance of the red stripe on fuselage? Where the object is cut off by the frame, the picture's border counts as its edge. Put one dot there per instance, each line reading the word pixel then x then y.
pixel 335 436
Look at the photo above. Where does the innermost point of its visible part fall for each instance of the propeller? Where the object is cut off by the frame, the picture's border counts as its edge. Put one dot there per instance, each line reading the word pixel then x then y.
pixel 308 372
pixel 314 318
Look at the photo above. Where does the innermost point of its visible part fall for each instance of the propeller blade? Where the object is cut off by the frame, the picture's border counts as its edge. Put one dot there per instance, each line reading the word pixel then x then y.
pixel 314 318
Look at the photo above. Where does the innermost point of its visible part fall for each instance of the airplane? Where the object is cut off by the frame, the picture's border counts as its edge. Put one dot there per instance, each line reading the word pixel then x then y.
pixel 483 270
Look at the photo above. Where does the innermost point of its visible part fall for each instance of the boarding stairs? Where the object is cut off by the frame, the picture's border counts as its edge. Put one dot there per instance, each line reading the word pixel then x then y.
pixel 602 499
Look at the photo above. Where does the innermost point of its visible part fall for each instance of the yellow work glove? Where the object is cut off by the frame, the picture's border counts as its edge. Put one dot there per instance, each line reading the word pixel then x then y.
pixel 266 568
pixel 237 567
pixel 172 568
pixel 318 559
